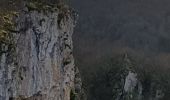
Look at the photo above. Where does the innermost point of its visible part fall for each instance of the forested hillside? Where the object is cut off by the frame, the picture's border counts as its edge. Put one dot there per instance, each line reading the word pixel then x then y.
pixel 109 28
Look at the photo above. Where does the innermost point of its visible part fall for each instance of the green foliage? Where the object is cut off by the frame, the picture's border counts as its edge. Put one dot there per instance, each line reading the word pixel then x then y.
pixel 107 77
pixel 7 27
pixel 72 95
pixel 45 5
pixel 39 6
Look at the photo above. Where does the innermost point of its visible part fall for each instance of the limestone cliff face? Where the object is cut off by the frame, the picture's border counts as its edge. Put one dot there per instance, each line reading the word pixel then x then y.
pixel 42 64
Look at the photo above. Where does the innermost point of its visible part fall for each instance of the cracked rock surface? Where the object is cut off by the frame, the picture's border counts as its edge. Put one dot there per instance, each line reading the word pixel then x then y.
pixel 43 68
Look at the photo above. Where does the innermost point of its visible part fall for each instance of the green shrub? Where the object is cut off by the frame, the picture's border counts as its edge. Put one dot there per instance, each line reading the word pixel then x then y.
pixel 72 95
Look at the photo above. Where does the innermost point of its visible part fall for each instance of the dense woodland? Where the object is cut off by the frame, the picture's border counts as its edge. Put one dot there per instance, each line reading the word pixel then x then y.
pixel 109 29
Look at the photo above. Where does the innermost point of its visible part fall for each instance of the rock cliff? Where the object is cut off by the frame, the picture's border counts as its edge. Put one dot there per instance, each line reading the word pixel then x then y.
pixel 135 86
pixel 36 61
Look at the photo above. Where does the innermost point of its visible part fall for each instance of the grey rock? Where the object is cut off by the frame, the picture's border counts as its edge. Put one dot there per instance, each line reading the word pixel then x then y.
pixel 130 82
pixel 43 65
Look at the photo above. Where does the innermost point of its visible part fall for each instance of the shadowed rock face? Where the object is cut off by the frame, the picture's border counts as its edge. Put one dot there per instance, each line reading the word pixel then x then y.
pixel 43 65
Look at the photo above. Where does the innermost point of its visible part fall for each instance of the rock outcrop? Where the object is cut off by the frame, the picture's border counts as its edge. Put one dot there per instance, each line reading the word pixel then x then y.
pixel 41 64
pixel 135 87
pixel 79 90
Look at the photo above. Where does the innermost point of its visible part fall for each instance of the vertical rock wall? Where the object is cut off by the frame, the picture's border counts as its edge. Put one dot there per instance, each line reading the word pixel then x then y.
pixel 42 66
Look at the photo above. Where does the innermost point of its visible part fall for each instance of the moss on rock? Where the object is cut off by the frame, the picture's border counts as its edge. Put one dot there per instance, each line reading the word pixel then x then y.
pixel 7 24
